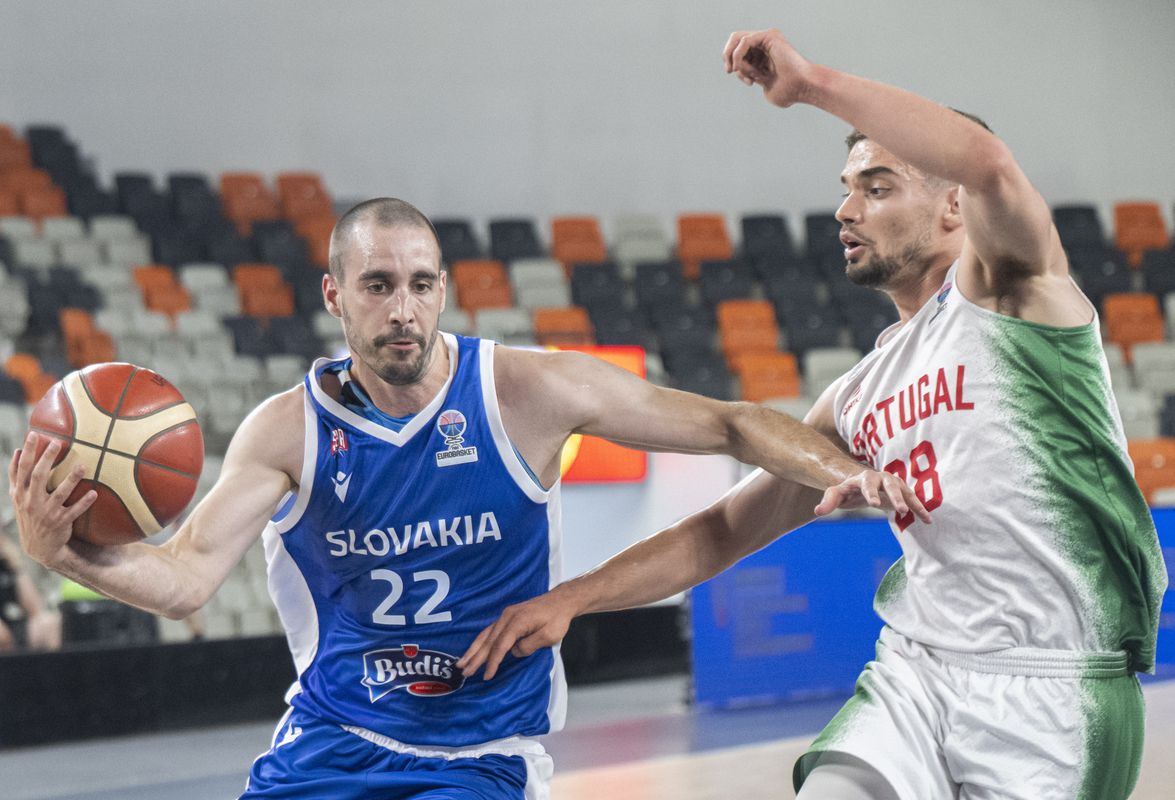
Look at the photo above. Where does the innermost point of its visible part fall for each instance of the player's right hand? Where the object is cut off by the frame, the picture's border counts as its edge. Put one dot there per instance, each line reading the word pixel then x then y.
pixel 520 630
pixel 766 59
pixel 44 518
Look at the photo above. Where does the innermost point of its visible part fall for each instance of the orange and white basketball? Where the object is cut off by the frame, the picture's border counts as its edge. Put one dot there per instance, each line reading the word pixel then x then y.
pixel 138 440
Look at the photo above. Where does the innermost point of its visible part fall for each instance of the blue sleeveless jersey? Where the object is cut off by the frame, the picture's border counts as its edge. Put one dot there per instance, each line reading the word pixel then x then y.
pixel 395 552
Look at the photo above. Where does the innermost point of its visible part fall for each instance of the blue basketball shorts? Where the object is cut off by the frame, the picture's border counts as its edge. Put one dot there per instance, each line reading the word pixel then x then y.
pixel 311 758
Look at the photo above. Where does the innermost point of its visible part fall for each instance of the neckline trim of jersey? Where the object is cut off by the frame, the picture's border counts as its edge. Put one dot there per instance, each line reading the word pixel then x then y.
pixel 397 438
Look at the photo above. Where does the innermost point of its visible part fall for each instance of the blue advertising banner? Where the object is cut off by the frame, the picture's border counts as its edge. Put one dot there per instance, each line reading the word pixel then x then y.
pixel 795 621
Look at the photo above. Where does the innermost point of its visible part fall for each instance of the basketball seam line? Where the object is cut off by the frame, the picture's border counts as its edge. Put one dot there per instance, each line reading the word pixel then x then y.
pixel 72 440
pixel 113 418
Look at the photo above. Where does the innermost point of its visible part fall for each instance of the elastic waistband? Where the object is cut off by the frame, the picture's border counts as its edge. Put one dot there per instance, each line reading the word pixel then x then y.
pixel 512 746
pixel 1037 663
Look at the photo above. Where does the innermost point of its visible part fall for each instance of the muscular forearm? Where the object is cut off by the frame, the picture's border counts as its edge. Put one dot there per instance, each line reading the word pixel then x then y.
pixel 923 133
pixel 693 550
pixel 140 575
pixel 787 448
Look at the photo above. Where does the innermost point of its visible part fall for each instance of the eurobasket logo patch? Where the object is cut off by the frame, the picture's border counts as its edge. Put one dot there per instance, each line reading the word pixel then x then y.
pixel 943 293
pixel 420 672
pixel 451 425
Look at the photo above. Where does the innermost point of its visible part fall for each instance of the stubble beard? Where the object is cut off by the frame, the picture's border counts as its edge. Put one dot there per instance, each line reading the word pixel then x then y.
pixel 396 373
pixel 884 271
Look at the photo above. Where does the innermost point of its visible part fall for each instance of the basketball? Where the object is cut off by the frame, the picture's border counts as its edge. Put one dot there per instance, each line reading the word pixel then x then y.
pixel 138 440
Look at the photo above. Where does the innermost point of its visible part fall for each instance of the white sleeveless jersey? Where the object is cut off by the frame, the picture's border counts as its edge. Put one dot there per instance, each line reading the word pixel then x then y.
pixel 1008 432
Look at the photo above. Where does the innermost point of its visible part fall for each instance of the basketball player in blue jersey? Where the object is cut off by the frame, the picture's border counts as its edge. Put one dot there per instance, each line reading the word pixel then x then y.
pixel 1016 623
pixel 405 494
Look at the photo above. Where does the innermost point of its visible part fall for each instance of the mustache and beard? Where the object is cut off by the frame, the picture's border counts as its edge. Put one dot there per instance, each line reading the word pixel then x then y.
pixel 879 271
pixel 395 368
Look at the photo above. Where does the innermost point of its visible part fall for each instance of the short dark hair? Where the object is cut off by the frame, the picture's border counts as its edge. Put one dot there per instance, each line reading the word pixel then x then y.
pixel 385 212
pixel 856 136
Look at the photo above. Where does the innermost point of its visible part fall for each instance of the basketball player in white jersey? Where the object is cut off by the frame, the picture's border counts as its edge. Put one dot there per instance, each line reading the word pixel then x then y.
pixel 406 494
pixel 1014 624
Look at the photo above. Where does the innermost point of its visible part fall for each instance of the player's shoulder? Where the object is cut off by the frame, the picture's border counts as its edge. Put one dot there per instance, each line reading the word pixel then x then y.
pixel 273 433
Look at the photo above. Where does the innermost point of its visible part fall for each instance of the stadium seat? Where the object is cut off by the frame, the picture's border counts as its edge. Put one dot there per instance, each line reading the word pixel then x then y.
pixel 1132 317
pixel 514 238
pixel 1154 464
pixel 246 199
pixel 725 280
pixel 79 252
pixel 112 227
pixel 577 239
pixel 458 241
pixel 539 283
pixel 683 328
pixel 1079 226
pixel 1139 411
pixel 1154 366
pixel 563 327
pixel 638 238
pixel 9 203
pixel 701 237
pixel 481 284
pixel 1158 271
pixel 512 326
pixel 42 201
pixel 823 365
pixel 1139 227
pixel 813 327
pixel 766 236
pixel 822 236
pixel 702 373
pixel 453 320
pixel 302 195
pixel 767 375
pixel 1101 271
pixel 619 325
pixel 659 283
pixel 746 325
pixel 16 226
pixel 127 252
pixel 316 232
pixel 597 284
pixel 1167 417
pixel 57 229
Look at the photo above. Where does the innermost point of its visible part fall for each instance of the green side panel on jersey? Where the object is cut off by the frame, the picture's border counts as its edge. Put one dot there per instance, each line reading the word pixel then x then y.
pixel 892 585
pixel 834 731
pixel 1114 727
pixel 1056 394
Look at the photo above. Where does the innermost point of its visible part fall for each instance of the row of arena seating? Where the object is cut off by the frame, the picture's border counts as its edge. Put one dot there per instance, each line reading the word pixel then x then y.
pixel 220 289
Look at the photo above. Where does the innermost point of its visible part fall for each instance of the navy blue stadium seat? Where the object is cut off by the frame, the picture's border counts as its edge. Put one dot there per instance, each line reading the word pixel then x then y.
pixel 1167 416
pixel 822 236
pixel 1078 226
pixel 250 337
pixel 1158 272
pixel 792 291
pixel 11 390
pixel 293 335
pixel 814 327
pixel 659 283
pixel 173 246
pixel 458 241
pixel 1101 271
pixel 86 199
pixel 682 328
pixel 596 284
pixel 766 236
pixel 514 238
pixel 617 325
pixel 228 248
pixel 699 371
pixel 195 203
pixel 726 280
pixel 276 243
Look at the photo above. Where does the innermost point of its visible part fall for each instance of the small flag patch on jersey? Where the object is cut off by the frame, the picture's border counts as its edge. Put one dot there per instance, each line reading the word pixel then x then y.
pixel 451 424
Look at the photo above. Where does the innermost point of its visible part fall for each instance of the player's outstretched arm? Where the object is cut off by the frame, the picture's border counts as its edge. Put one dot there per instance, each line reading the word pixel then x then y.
pixel 1008 222
pixel 549 396
pixel 179 576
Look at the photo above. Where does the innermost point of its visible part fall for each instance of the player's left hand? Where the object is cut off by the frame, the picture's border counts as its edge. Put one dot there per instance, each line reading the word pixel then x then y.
pixel 520 630
pixel 875 490
pixel 767 59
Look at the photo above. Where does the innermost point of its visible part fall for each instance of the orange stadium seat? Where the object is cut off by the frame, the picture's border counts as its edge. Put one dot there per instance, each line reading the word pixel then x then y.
pixel 151 275
pixel 1154 464
pixel 21 179
pixel 252 275
pixel 265 301
pixel 302 195
pixel 43 201
pixel 84 343
pixel 316 231
pixel 1132 317
pixel 246 199
pixel 701 237
pixel 15 152
pixel 9 203
pixel 563 327
pixel 26 368
pixel 481 283
pixel 577 240
pixel 170 299
pixel 746 325
pixel 1139 227
pixel 767 375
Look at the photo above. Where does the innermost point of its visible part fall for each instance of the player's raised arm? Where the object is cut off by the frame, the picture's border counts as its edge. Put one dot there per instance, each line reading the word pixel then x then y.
pixel 179 576
pixel 1008 223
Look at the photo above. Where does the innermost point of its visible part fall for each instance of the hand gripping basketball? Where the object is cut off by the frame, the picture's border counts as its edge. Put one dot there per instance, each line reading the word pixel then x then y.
pixel 135 440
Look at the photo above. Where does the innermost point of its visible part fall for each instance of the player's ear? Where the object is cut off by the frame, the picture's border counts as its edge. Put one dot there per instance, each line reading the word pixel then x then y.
pixel 330 295
pixel 952 217
pixel 444 284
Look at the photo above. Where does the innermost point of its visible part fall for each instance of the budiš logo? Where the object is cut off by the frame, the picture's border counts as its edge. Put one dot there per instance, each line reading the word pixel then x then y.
pixel 423 673
pixel 451 425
